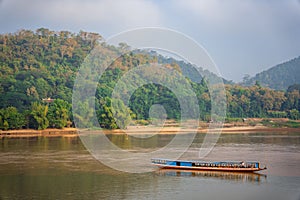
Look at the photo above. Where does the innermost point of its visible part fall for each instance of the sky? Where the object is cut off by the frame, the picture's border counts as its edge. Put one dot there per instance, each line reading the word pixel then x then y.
pixel 241 36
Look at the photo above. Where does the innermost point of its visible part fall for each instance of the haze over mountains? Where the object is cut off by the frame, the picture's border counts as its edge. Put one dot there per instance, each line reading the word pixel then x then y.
pixel 279 77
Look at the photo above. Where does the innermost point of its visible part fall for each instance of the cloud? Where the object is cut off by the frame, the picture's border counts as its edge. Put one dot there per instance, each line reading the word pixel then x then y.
pixel 244 36
pixel 239 15
pixel 113 15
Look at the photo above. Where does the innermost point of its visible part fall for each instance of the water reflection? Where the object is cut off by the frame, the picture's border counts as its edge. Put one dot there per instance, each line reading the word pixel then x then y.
pixel 232 176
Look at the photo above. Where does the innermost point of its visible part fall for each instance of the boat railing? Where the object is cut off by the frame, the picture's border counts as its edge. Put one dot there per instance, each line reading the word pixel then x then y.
pixel 211 164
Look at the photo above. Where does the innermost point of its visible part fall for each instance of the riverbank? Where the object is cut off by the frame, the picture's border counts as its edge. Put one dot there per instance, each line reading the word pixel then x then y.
pixel 66 132
pixel 132 130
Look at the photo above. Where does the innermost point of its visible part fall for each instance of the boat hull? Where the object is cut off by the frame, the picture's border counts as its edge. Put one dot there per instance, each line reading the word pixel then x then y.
pixel 208 166
pixel 212 168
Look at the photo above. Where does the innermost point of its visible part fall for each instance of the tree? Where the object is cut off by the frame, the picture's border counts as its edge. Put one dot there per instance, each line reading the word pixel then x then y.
pixel 105 115
pixel 15 119
pixel 293 87
pixel 294 114
pixel 39 116
pixel 257 83
pixel 5 125
pixel 109 118
pixel 292 100
pixel 10 118
pixel 59 113
pixel 121 113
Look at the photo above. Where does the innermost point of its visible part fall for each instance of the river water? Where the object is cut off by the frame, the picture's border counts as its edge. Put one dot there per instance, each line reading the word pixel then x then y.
pixel 61 168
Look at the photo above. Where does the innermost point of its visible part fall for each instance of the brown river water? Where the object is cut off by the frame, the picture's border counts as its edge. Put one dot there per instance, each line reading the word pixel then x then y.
pixel 62 168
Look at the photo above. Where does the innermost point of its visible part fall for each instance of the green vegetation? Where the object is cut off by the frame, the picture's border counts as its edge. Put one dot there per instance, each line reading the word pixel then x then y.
pixel 43 64
pixel 281 124
pixel 58 113
pixel 10 118
pixel 256 101
pixel 279 77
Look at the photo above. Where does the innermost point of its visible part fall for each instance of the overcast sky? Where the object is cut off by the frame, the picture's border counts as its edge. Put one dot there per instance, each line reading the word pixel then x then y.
pixel 242 36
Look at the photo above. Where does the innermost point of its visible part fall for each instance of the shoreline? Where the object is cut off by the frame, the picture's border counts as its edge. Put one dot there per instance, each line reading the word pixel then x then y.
pixel 66 132
pixel 142 130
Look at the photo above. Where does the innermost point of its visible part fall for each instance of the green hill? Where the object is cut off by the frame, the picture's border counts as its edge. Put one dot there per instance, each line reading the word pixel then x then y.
pixel 279 77
pixel 41 64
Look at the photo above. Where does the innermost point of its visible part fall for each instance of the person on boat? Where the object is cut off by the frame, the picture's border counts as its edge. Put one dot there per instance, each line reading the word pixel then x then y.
pixel 243 164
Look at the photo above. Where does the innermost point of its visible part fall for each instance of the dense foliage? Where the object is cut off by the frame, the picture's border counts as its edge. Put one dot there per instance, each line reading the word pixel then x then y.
pixel 257 101
pixel 35 66
pixel 279 77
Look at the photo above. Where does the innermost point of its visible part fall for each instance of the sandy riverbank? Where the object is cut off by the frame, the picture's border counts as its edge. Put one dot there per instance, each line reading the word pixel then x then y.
pixel 66 132
pixel 233 129
pixel 73 132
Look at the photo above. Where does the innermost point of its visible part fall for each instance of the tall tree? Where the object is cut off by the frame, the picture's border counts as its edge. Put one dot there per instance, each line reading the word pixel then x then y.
pixel 39 118
pixel 58 113
pixel 112 118
pixel 10 118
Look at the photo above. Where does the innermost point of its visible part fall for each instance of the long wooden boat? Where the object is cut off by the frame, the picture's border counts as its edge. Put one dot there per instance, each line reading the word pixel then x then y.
pixel 231 166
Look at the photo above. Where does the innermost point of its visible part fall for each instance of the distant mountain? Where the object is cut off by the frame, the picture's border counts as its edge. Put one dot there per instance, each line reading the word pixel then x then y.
pixel 279 77
pixel 190 70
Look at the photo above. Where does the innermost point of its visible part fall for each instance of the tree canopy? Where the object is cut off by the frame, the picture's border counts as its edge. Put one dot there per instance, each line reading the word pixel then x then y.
pixel 42 64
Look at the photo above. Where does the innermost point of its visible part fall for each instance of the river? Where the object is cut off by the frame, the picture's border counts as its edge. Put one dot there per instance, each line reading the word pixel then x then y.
pixel 61 168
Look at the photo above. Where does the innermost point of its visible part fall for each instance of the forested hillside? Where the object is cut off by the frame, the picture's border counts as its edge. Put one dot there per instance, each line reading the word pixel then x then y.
pixel 41 64
pixel 279 77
